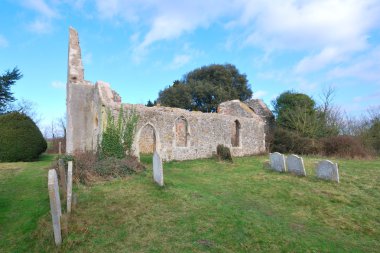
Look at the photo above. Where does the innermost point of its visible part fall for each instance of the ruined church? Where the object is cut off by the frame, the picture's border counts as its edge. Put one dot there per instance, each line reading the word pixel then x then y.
pixel 176 134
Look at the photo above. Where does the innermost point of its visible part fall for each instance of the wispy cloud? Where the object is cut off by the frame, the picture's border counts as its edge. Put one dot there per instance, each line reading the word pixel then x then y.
pixel 40 26
pixel 41 7
pixel 366 67
pixel 259 94
pixel 3 41
pixel 58 85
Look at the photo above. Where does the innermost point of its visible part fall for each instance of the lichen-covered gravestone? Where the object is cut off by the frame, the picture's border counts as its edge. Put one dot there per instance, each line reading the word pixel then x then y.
pixel 69 185
pixel 277 162
pixel 294 164
pixel 55 205
pixel 158 173
pixel 327 170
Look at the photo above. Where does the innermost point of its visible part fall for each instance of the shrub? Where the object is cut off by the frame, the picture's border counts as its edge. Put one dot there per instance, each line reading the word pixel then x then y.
pixel 223 153
pixel 20 138
pixel 88 168
pixel 344 146
pixel 286 141
pixel 113 167
pixel 84 163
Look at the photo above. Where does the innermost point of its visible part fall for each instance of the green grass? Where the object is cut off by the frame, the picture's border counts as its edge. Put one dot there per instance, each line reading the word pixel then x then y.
pixel 207 206
pixel 23 200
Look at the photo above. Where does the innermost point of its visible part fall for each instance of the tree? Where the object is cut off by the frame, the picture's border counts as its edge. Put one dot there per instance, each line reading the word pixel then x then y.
pixel 150 103
pixel 20 138
pixel 8 79
pixel 203 89
pixel 297 112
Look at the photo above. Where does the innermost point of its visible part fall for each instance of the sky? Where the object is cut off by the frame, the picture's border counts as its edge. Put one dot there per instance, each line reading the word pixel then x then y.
pixel 141 46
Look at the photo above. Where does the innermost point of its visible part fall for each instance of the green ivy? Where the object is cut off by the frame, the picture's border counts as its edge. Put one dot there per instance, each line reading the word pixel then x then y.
pixel 118 135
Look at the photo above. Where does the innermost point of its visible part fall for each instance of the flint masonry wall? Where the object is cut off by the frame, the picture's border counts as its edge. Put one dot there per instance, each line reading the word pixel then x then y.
pixel 175 133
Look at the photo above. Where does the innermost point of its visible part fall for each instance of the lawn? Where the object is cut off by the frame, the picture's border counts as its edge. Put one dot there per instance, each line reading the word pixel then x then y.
pixel 23 201
pixel 208 206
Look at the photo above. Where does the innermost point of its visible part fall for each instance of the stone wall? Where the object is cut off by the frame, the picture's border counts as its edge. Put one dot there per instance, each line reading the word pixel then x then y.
pixel 176 134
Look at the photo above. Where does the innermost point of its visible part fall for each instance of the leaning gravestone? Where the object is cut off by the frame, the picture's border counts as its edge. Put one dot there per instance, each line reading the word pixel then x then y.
pixel 277 162
pixel 327 170
pixel 294 164
pixel 69 185
pixel 55 205
pixel 158 173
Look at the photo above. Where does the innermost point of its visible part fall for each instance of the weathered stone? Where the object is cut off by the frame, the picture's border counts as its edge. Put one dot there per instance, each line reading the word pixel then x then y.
pixel 327 170
pixel 158 173
pixel 277 161
pixel 69 185
pixel 294 164
pixel 62 176
pixel 177 134
pixel 55 205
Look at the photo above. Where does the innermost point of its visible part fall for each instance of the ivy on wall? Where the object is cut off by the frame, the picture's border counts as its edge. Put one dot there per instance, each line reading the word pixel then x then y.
pixel 118 135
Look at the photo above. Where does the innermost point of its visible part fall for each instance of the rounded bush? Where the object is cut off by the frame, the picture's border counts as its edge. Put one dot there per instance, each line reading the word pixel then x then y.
pixel 20 138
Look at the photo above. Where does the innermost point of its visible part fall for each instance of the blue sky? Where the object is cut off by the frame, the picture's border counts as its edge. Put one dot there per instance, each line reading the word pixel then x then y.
pixel 142 46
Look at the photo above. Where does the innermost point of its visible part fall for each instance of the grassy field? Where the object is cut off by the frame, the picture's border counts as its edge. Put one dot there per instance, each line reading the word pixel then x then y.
pixel 23 201
pixel 205 206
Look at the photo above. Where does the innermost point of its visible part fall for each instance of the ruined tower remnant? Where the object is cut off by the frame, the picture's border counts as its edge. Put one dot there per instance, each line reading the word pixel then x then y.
pixel 176 134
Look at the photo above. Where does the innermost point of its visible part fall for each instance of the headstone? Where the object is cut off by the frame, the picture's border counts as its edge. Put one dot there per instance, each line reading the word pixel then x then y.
pixel 327 170
pixel 62 176
pixel 69 185
pixel 294 164
pixel 277 162
pixel 158 173
pixel 60 148
pixel 55 205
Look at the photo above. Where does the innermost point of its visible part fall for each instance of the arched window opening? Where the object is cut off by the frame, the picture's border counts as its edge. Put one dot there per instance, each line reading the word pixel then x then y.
pixel 147 140
pixel 181 132
pixel 235 135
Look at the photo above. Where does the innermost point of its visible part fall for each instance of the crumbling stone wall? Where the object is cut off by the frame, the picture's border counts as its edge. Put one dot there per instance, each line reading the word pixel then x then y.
pixel 176 134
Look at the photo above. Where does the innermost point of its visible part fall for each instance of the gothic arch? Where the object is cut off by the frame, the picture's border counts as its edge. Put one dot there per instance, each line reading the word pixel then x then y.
pixel 181 132
pixel 147 135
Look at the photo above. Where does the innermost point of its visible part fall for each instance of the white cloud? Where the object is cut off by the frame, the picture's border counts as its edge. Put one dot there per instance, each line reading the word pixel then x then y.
pixel 40 26
pixel 87 58
pixel 366 67
pixel 41 7
pixel 3 41
pixel 332 29
pixel 58 85
pixel 259 94
pixel 180 60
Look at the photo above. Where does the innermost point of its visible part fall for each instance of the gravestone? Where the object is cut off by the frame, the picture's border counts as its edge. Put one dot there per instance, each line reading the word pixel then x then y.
pixel 62 176
pixel 277 162
pixel 294 164
pixel 327 170
pixel 55 205
pixel 69 185
pixel 158 173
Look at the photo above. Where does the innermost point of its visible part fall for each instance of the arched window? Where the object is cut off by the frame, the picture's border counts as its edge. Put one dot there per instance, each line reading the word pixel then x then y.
pixel 181 132
pixel 147 141
pixel 235 134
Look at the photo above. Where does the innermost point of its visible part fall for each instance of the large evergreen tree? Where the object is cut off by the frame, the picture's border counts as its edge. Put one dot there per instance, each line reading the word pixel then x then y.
pixel 203 89
pixel 8 79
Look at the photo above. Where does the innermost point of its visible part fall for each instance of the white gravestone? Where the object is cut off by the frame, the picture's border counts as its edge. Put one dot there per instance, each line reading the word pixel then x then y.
pixel 158 173
pixel 69 185
pixel 277 161
pixel 55 205
pixel 294 164
pixel 327 170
